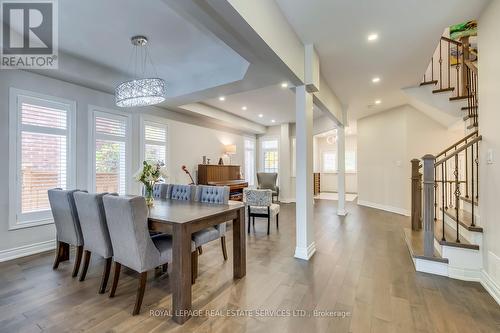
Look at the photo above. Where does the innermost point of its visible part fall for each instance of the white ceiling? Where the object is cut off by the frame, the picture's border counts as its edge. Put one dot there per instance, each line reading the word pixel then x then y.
pixel 273 102
pixel 408 34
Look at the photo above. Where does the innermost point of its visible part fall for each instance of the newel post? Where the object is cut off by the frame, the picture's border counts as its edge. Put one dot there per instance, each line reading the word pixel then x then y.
pixel 428 204
pixel 416 195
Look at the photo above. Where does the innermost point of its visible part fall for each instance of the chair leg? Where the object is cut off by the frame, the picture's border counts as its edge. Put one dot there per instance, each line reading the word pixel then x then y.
pixel 116 276
pixel 200 250
pixel 164 267
pixel 140 293
pixel 105 276
pixel 58 256
pixel 268 220
pixel 248 219
pixel 194 266
pixel 277 221
pixel 78 260
pixel 86 262
pixel 223 244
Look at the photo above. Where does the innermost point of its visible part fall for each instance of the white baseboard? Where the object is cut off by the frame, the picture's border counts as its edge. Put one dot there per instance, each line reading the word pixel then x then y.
pixel 490 285
pixel 341 212
pixel 305 253
pixel 391 209
pixel 430 266
pixel 287 200
pixel 27 250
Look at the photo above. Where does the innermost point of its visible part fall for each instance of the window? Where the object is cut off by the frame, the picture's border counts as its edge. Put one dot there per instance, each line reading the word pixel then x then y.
pixel 110 152
pixel 270 159
pixel 250 161
pixel 40 154
pixel 154 136
pixel 350 161
pixel 294 157
pixel 329 161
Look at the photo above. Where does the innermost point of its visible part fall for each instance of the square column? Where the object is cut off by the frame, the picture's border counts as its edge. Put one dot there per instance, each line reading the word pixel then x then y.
pixel 285 163
pixel 341 171
pixel 305 247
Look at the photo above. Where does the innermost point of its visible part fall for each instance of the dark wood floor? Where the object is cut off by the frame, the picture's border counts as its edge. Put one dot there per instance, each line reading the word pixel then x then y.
pixel 362 266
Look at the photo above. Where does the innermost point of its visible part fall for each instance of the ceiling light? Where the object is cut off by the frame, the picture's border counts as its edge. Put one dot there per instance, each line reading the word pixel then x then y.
pixel 222 98
pixel 243 108
pixel 372 37
pixel 378 101
pixel 141 90
pixel 284 85
pixel 261 115
pixel 273 121
pixel 376 80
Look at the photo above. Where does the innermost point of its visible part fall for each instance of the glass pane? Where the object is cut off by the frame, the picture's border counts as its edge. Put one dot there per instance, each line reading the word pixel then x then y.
pixel 43 167
pixel 110 166
pixel 154 153
pixel 110 126
pixel 271 161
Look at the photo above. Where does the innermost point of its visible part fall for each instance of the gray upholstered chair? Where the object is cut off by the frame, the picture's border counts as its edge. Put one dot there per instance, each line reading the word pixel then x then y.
pixel 160 191
pixel 182 192
pixel 267 181
pixel 259 204
pixel 133 247
pixel 95 232
pixel 212 195
pixel 67 225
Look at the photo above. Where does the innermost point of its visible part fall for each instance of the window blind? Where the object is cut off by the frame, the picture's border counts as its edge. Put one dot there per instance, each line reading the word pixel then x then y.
pixel 155 142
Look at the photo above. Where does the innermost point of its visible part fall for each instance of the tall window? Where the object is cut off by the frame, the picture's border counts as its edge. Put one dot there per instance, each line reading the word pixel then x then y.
pixel 40 154
pixel 350 161
pixel 250 161
pixel 329 161
pixel 270 159
pixel 110 152
pixel 154 137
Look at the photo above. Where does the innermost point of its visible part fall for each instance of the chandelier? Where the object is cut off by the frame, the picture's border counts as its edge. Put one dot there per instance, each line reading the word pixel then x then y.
pixel 140 91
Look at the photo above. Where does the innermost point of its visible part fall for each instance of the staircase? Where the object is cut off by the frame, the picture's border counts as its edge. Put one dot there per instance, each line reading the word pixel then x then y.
pixel 446 236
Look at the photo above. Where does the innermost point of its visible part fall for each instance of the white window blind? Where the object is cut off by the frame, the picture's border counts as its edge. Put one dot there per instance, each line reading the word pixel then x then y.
pixel 250 161
pixel 155 142
pixel 110 148
pixel 41 158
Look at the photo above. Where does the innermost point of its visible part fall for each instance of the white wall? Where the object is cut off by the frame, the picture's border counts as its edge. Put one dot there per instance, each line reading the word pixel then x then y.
pixel 189 141
pixel 387 141
pixel 329 179
pixel 489 120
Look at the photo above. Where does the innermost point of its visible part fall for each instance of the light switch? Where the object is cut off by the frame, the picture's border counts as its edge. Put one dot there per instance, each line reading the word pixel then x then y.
pixel 398 163
pixel 489 156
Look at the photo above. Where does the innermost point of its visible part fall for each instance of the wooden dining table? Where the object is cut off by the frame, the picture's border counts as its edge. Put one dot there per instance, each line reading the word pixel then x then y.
pixel 181 219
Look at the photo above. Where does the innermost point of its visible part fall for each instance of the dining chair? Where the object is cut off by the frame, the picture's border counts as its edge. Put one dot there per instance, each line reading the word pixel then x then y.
pixel 67 225
pixel 182 192
pixel 95 231
pixel 259 204
pixel 160 191
pixel 212 195
pixel 267 181
pixel 133 247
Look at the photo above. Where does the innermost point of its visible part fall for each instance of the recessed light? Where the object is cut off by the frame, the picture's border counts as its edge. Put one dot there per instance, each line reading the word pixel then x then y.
pixel 376 79
pixel 273 121
pixel 372 37
pixel 261 115
pixel 243 108
pixel 284 85
pixel 378 101
pixel 222 98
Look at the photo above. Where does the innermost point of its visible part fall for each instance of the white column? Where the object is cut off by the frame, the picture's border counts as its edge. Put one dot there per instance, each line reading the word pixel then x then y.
pixel 341 170
pixel 284 163
pixel 305 246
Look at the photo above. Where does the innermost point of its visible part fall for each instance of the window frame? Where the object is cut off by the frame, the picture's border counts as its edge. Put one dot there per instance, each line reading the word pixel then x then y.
pixel 263 150
pixel 158 122
pixel 254 150
pixel 16 96
pixel 94 110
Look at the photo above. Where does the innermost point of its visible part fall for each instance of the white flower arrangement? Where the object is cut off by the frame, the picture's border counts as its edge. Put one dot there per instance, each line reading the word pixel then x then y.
pixel 149 175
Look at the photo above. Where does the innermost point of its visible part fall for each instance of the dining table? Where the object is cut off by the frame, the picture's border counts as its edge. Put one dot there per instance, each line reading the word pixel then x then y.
pixel 181 219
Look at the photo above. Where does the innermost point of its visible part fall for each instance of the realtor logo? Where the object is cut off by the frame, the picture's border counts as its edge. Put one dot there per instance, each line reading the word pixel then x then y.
pixel 29 35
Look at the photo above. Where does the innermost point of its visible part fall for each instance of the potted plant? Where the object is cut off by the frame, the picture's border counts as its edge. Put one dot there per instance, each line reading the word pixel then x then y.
pixel 150 174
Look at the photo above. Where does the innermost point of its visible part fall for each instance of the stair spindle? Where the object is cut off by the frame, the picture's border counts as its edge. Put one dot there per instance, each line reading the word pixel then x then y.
pixel 440 66
pixel 442 197
pixel 457 196
pixel 472 185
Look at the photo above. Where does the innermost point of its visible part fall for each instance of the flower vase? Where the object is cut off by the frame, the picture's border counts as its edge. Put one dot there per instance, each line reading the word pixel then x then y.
pixel 150 199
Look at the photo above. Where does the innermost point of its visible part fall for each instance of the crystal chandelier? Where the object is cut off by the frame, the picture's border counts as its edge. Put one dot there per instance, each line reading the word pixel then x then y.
pixel 140 91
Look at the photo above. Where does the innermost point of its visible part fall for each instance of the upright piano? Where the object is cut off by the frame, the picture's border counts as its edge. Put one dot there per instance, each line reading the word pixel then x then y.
pixel 223 175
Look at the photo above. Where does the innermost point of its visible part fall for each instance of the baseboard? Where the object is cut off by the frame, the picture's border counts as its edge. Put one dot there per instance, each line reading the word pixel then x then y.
pixel 27 250
pixel 305 253
pixel 430 266
pixel 341 212
pixel 287 200
pixel 464 274
pixel 391 209
pixel 490 285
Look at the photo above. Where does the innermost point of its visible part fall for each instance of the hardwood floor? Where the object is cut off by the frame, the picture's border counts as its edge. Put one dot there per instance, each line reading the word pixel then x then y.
pixel 361 266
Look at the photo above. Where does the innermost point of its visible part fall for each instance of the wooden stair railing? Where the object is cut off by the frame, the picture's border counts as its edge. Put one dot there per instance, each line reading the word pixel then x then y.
pixel 449 177
pixel 451 70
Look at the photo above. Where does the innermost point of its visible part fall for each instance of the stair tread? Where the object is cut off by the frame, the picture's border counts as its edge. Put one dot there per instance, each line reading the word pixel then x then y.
pixel 471 126
pixel 436 91
pixel 469 200
pixel 464 108
pixel 456 98
pixel 464 218
pixel 415 241
pixel 450 235
pixel 428 82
